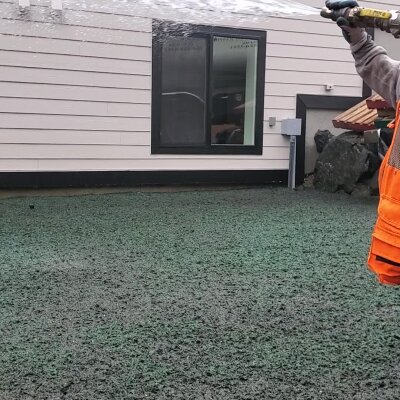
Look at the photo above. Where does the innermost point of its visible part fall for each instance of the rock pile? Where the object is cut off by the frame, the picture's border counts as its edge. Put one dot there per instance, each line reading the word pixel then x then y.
pixel 346 160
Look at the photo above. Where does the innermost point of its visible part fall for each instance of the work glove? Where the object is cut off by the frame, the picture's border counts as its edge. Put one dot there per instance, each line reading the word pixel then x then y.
pixel 352 35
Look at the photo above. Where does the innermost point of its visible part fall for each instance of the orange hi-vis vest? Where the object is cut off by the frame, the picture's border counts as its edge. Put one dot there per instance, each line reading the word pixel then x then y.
pixel 384 257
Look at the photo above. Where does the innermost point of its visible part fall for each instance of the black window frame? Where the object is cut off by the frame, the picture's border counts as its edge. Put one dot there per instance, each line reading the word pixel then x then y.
pixel 162 28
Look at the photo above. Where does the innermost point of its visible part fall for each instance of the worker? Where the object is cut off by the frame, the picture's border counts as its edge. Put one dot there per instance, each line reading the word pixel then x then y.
pixel 381 74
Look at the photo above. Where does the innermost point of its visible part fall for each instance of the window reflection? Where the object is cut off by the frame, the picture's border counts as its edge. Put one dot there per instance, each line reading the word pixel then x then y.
pixel 234 69
pixel 183 92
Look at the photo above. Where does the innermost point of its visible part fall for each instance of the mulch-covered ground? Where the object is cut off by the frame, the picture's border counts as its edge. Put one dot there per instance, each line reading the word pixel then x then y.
pixel 241 294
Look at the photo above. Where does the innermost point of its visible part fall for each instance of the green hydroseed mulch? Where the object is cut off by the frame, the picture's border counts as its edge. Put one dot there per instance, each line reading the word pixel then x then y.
pixel 249 294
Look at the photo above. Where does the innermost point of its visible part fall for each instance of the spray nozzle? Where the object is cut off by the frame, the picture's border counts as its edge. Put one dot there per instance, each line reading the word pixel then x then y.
pixel 388 21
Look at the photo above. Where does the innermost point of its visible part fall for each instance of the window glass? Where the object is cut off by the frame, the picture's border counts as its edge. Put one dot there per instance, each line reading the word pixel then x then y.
pixel 234 73
pixel 207 89
pixel 183 91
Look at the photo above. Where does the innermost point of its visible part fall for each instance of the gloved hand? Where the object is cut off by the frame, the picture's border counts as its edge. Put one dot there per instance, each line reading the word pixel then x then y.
pixel 352 35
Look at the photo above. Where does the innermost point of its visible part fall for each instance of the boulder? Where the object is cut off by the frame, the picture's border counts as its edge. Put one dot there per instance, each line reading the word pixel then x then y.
pixel 382 148
pixel 374 162
pixel 372 146
pixel 386 135
pixel 343 161
pixel 361 190
pixel 351 137
pixel 374 185
pixel 371 136
pixel 321 139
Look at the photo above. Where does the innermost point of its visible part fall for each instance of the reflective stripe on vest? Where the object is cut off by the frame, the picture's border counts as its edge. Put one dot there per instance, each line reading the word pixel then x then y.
pixel 384 258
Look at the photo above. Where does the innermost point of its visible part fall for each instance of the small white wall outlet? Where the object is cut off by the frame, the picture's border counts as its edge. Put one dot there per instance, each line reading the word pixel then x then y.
pixel 24 4
pixel 329 87
pixel 272 121
pixel 56 5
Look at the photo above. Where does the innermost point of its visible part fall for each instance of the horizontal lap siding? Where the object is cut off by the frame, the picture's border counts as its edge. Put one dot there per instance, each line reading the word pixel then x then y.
pixel 74 96
pixel 73 92
pixel 303 61
pixel 77 137
pixel 74 63
pixel 99 152
pixel 77 96
pixel 157 164
pixel 48 45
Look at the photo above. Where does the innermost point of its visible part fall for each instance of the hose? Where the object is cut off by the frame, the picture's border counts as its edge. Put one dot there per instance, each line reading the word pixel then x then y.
pixel 387 21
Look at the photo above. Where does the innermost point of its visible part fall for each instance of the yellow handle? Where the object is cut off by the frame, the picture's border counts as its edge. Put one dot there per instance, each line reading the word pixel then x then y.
pixel 371 13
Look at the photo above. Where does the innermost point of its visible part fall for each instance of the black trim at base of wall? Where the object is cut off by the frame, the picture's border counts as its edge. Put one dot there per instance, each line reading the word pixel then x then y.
pixel 82 179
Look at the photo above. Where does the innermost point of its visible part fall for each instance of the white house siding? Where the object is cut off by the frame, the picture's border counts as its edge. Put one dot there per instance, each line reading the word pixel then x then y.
pixel 76 96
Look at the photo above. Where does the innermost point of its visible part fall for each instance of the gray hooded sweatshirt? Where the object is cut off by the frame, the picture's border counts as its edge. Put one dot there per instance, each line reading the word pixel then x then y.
pixel 380 72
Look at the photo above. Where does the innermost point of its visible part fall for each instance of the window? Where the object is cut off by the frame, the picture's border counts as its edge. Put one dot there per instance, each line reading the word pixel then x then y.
pixel 208 90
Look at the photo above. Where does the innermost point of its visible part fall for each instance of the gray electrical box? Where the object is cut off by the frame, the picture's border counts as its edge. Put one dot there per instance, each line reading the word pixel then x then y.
pixel 291 127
